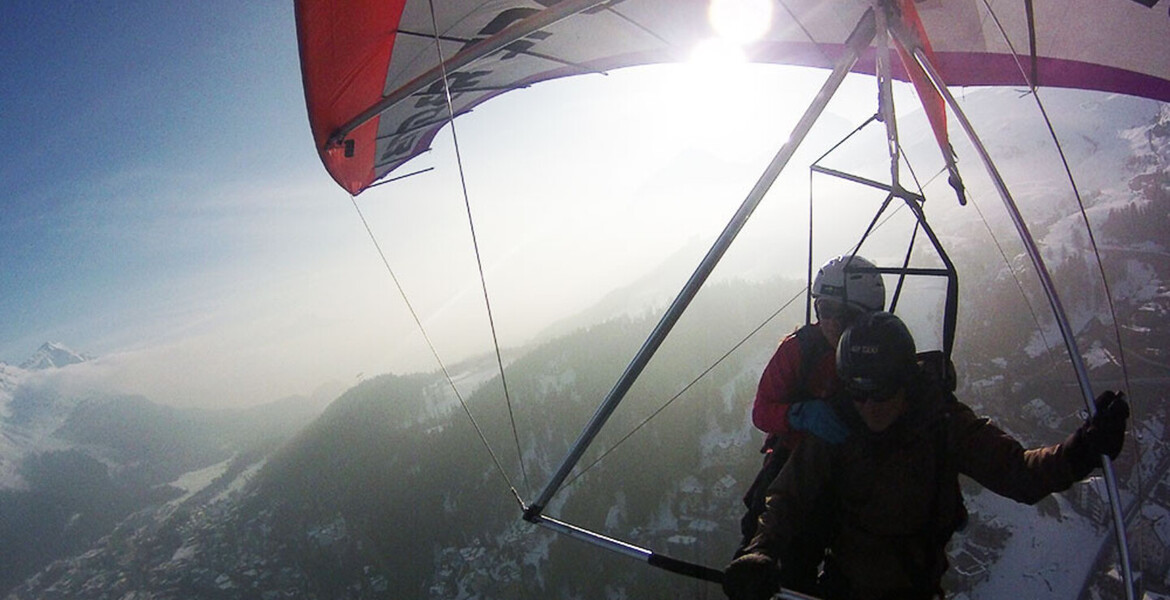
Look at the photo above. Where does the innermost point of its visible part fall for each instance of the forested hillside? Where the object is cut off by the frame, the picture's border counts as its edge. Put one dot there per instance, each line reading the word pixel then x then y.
pixel 392 492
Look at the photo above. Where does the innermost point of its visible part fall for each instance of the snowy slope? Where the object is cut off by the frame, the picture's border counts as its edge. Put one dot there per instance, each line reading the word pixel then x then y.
pixel 52 355
pixel 1044 557
pixel 12 445
pixel 29 431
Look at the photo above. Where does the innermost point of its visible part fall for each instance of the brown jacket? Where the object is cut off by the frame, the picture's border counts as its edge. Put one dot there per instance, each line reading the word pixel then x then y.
pixel 892 500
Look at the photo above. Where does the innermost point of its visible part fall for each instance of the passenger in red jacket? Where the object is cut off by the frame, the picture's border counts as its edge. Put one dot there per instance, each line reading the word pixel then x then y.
pixel 802 373
pixel 841 293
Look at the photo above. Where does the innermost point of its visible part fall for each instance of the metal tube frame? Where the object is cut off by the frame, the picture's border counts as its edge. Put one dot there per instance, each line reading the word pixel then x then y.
pixel 909 41
pixel 858 40
pixel 856 43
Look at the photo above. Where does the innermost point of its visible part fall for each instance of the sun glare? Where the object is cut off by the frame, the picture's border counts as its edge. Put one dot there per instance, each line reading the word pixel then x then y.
pixel 740 21
pixel 715 53
pixel 715 63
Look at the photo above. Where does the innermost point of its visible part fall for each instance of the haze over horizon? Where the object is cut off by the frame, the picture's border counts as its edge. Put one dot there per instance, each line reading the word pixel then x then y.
pixel 166 210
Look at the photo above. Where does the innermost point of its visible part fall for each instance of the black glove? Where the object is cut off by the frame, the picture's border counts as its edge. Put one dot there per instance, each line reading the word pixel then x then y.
pixel 754 576
pixel 1106 430
pixel 1104 433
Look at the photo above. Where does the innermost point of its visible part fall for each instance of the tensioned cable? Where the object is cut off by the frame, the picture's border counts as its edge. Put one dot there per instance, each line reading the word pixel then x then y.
pixel 1012 270
pixel 1032 85
pixel 479 264
pixel 1092 237
pixel 808 34
pixel 688 386
pixel 719 361
pixel 431 346
pixel 712 367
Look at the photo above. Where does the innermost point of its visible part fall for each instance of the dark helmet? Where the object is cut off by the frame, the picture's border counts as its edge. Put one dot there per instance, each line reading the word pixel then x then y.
pixel 876 354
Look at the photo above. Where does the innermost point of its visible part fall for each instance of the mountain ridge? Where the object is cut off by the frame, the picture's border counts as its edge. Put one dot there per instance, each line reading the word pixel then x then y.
pixel 346 509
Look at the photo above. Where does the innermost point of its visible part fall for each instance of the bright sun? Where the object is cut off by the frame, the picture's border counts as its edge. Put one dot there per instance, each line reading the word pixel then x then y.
pixel 717 83
pixel 740 21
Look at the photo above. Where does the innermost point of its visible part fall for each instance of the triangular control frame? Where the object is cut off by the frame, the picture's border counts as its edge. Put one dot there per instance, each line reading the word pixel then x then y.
pixel 879 23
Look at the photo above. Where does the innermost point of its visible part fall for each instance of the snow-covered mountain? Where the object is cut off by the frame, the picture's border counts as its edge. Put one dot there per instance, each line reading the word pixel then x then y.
pixel 31 410
pixel 74 463
pixel 25 417
pixel 53 355
pixel 389 492
pixel 392 483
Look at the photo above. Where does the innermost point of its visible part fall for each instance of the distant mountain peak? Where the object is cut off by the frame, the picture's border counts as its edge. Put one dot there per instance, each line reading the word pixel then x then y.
pixel 53 355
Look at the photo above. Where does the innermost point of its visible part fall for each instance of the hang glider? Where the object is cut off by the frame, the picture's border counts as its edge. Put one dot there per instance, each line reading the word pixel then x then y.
pixel 382 77
pixel 374 70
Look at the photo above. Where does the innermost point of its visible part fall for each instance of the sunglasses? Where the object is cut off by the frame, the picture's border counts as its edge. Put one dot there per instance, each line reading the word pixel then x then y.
pixel 861 394
pixel 836 311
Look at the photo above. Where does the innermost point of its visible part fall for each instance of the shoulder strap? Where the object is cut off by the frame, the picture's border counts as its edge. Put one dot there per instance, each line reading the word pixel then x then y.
pixel 938 370
pixel 813 346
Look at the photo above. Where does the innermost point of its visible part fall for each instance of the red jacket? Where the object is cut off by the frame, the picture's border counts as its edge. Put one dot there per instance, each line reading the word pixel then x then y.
pixel 780 383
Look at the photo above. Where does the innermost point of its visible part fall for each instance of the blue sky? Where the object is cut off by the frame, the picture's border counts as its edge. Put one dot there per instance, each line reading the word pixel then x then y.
pixel 151 169
pixel 122 118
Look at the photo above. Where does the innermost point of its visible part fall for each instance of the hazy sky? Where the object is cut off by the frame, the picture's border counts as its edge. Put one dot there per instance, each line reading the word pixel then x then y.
pixel 163 207
pixel 155 179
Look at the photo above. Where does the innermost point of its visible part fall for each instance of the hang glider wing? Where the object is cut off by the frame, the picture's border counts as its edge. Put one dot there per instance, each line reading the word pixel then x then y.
pixel 374 79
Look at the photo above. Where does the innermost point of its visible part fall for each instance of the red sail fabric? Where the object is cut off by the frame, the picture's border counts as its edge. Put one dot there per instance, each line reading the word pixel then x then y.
pixel 932 102
pixel 379 56
pixel 345 50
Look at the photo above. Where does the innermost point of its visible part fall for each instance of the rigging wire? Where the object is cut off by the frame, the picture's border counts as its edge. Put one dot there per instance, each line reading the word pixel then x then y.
pixel 478 257
pixel 1015 276
pixel 422 330
pixel 808 34
pixel 684 389
pixel 1033 88
pixel 1092 237
pixel 876 225
pixel 1035 92
pixel 1108 297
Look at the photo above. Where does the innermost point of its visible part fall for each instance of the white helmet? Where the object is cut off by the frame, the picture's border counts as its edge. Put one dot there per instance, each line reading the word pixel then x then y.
pixel 864 291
